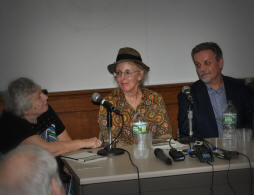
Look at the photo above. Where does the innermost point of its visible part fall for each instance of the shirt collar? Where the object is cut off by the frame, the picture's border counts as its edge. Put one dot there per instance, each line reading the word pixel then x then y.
pixel 218 91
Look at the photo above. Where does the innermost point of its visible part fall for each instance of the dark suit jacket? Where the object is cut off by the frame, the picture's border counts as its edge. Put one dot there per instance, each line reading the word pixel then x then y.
pixel 204 122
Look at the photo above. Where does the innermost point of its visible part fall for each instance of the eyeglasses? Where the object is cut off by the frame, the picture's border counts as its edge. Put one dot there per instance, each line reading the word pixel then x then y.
pixel 126 73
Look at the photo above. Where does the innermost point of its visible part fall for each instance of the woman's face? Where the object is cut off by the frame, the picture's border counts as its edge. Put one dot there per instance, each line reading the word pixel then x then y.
pixel 39 102
pixel 128 76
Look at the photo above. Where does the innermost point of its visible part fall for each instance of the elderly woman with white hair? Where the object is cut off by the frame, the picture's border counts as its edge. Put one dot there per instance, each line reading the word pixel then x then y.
pixel 28 119
pixel 131 97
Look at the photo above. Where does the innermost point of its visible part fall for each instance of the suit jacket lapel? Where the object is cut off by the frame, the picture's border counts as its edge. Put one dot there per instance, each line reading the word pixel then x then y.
pixel 207 110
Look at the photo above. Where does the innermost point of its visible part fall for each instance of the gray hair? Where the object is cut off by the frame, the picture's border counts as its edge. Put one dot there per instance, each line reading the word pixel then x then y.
pixel 34 168
pixel 214 47
pixel 141 83
pixel 16 97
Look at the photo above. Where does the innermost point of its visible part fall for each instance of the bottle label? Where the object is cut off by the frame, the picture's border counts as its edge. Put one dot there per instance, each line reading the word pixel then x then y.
pixel 139 128
pixel 229 118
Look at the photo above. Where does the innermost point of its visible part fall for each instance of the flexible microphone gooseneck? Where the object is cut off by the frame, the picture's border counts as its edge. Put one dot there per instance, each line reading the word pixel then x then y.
pixel 162 156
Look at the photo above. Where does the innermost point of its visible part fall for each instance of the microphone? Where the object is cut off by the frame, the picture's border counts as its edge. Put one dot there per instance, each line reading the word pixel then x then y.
pixel 96 97
pixel 186 91
pixel 162 156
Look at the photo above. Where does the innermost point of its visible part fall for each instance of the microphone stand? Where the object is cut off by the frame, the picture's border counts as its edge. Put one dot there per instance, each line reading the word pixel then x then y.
pixel 190 138
pixel 109 125
pixel 190 117
pixel 110 150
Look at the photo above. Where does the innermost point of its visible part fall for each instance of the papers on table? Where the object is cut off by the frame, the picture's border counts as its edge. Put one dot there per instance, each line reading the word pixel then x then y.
pixel 84 157
pixel 164 144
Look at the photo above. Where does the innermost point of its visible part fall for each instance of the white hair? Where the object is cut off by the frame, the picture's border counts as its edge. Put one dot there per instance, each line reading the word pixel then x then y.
pixel 28 170
pixel 16 97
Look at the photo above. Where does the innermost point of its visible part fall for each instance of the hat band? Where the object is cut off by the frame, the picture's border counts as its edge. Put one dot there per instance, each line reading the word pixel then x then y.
pixel 128 56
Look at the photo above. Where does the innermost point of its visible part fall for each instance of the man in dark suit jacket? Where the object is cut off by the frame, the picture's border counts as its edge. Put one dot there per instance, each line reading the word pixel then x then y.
pixel 210 95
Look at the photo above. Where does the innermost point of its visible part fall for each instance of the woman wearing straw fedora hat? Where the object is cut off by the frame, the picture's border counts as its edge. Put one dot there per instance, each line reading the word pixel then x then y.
pixel 131 97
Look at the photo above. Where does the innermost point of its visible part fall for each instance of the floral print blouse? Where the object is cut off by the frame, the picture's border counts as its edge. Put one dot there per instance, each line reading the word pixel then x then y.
pixel 152 107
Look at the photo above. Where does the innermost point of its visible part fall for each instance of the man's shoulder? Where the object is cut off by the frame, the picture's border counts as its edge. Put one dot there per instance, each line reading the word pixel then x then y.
pixel 197 85
pixel 234 81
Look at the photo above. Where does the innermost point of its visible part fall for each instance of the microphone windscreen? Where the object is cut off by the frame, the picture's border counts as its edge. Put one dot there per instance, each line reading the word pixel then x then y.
pixel 96 97
pixel 185 89
pixel 159 153
pixel 162 156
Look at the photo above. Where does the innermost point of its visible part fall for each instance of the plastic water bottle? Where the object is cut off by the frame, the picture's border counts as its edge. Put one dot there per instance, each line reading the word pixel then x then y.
pixel 229 140
pixel 142 137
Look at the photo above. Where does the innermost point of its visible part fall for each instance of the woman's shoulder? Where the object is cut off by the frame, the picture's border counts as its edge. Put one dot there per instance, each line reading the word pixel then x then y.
pixel 150 92
pixel 152 96
pixel 114 94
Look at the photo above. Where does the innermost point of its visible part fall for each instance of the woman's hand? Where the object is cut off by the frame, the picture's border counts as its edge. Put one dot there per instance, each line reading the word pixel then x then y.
pixel 92 142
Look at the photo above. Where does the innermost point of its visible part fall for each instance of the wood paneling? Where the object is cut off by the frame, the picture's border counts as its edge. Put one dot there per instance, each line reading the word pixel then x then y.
pixel 80 115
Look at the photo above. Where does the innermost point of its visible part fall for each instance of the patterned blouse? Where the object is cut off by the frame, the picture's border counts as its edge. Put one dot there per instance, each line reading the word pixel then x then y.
pixel 152 107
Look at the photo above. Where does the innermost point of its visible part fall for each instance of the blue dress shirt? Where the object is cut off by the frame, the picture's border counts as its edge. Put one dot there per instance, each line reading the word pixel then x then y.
pixel 219 103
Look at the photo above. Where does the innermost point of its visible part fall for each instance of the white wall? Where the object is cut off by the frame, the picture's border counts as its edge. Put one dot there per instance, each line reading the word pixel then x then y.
pixel 67 44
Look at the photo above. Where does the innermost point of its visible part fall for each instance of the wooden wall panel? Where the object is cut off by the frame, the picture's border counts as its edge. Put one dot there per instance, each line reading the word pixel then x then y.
pixel 80 115
pixel 81 124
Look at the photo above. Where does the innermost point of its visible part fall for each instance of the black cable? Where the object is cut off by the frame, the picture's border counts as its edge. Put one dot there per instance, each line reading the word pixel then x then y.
pixel 114 140
pixel 189 143
pixel 228 155
pixel 251 175
pixel 118 135
pixel 169 142
pixel 133 164
pixel 228 181
pixel 211 186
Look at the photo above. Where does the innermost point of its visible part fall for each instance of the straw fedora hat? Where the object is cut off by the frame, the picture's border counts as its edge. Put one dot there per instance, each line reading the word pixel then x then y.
pixel 128 54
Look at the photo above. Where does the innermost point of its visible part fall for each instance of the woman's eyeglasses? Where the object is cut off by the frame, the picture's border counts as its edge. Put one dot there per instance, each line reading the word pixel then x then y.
pixel 126 73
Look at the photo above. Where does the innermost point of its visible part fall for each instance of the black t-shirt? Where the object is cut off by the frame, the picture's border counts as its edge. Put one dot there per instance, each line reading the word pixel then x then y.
pixel 15 129
pixel 47 119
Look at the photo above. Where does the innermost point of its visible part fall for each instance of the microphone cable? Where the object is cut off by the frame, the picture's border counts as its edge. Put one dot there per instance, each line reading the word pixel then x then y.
pixel 228 155
pixel 132 163
pixel 169 142
pixel 118 134
pixel 135 166
pixel 251 174
pixel 211 186
pixel 226 158
pixel 228 181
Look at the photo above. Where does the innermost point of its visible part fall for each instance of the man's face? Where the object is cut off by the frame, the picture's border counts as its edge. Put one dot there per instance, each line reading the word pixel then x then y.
pixel 207 67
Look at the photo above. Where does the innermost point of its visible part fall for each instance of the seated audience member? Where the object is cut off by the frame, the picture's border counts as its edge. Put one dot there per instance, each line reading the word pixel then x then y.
pixel 211 93
pixel 29 170
pixel 28 119
pixel 131 97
